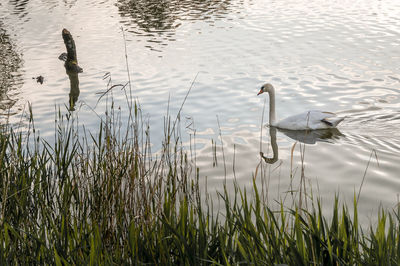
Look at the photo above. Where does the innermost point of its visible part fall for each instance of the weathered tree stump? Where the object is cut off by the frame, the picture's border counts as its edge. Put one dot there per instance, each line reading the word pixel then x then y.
pixel 72 61
pixel 72 67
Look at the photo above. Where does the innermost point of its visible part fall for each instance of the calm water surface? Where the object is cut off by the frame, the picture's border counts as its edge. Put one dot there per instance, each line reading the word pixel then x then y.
pixel 340 56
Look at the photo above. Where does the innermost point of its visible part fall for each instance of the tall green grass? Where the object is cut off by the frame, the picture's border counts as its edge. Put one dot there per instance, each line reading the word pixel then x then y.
pixel 106 198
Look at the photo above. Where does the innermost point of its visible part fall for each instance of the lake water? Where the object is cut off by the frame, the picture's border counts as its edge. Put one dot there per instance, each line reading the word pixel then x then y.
pixel 340 56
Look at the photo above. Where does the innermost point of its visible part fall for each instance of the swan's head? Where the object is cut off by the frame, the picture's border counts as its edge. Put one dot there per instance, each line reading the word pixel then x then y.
pixel 266 88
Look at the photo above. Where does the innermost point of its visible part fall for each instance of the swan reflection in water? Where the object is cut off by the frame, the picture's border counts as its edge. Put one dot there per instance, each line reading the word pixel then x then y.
pixel 303 136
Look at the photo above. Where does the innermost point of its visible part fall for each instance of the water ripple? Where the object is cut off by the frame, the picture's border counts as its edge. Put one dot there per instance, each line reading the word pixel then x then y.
pixel 338 56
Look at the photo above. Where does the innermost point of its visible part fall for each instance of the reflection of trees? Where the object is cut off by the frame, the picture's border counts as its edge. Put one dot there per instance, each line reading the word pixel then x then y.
pixel 161 15
pixel 19 7
pixel 10 63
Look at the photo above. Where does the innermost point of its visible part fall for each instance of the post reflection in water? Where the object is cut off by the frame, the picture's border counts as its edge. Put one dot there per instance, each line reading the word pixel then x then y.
pixel 303 136
pixel 72 68
pixel 74 91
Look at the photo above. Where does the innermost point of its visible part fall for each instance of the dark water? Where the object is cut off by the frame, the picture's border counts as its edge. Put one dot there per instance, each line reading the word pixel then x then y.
pixel 10 78
pixel 340 56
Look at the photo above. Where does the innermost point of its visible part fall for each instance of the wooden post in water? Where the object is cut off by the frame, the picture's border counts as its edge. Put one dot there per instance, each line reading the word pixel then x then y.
pixel 72 60
pixel 72 68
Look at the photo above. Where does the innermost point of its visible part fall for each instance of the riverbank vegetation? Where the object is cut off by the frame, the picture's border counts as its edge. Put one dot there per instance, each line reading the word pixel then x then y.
pixel 106 198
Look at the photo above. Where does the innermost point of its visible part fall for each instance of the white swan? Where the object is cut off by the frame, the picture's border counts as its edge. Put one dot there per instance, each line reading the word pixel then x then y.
pixel 309 120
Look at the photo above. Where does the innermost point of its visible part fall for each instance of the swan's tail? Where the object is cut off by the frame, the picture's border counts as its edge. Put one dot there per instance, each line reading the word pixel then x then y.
pixel 333 121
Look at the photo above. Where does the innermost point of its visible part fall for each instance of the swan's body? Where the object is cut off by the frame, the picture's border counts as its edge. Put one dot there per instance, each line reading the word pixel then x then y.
pixel 308 120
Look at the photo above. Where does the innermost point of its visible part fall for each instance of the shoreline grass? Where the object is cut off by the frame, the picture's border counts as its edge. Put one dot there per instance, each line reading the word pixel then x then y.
pixel 107 199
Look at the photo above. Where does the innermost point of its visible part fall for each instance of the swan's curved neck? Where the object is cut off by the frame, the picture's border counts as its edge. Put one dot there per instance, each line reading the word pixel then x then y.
pixel 272 116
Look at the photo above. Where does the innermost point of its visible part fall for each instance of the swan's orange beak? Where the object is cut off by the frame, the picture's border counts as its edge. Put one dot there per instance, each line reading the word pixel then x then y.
pixel 261 91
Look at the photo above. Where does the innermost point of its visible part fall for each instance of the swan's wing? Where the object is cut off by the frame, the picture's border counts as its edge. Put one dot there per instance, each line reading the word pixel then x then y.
pixel 320 118
pixel 297 122
pixel 331 119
